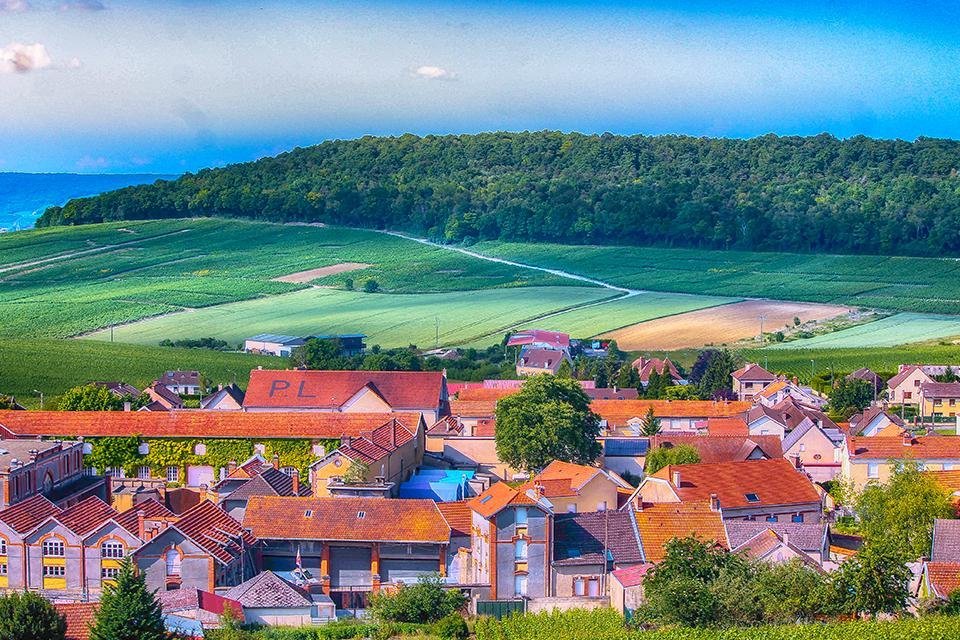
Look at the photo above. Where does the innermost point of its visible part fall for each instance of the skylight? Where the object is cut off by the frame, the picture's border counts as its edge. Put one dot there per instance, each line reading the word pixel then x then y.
pixel 751 497
pixel 485 499
pixel 307 513
pixel 361 514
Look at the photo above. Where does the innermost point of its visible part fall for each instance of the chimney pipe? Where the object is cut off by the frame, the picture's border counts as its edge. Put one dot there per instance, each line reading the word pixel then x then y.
pixel 141 529
pixel 295 476
pixel 676 479
pixel 786 538
pixel 907 439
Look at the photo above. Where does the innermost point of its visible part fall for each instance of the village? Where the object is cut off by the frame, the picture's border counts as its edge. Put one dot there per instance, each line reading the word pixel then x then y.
pixel 296 501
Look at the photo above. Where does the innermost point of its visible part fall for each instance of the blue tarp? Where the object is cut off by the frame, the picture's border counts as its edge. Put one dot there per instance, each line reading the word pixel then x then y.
pixel 441 485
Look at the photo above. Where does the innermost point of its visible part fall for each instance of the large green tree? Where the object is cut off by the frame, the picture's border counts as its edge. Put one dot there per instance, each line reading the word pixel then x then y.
pixel 715 381
pixel 874 581
pixel 426 601
pixel 651 424
pixel 664 456
pixel 25 615
pixel 849 396
pixel 90 397
pixel 548 419
pixel 901 511
pixel 128 611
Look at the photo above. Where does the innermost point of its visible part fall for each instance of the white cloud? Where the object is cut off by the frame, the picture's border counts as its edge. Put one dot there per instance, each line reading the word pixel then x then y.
pixel 83 5
pixel 430 72
pixel 14 6
pixel 86 163
pixel 23 58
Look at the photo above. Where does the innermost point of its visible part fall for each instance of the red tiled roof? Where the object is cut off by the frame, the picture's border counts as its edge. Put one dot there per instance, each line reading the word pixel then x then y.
pixel 375 445
pixel 382 520
pixel 546 359
pixel 733 426
pixel 214 530
pixel 86 515
pixel 24 516
pixel 197 424
pixel 753 371
pixel 402 390
pixel 893 448
pixel 660 523
pixel 473 408
pixel 775 482
pixel 561 479
pixel 618 412
pixel 632 576
pixel 530 336
pixel 645 368
pixel 79 616
pixel 152 510
pixel 944 577
pixel 458 515
pixel 722 448
pixel 485 393
pixel 497 497
pixel 486 428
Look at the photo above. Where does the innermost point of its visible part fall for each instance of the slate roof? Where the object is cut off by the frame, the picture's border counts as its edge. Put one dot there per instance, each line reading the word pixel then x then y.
pixel 215 531
pixel 946 541
pixel 860 421
pixel 189 378
pixel 867 375
pixel 79 616
pixel 270 482
pixel 267 589
pixel 607 393
pixel 24 516
pixel 753 371
pixel 660 523
pixel 118 388
pixel 835 435
pixel 346 519
pixel 625 446
pixel 546 359
pixel 805 536
pixel 231 390
pixel 893 448
pixel 903 374
pixel 164 396
pixel 581 538
pixel 774 482
pixel 722 448
pixel 205 424
pixel 402 390
pixel 936 390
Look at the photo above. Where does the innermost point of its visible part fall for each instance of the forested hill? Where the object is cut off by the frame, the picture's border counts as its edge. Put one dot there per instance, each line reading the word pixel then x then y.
pixel 769 193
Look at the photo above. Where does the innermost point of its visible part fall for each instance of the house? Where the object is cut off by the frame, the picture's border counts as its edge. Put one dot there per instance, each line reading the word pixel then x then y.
pixel 771 490
pixel 511 543
pixel 749 380
pixel 269 599
pixel 203 607
pixel 626 588
pixel 660 523
pixel 869 376
pixel 576 488
pixel 272 344
pixel 817 443
pixel 349 547
pixel 723 448
pixel 587 547
pixel 225 398
pixel 646 366
pixel 185 383
pixel 348 392
pixel 391 452
pixel 204 549
pixel 788 540
pixel 872 459
pixel 269 482
pixel 939 399
pixel 51 468
pixel 468 441
pixel 625 417
pixel 783 417
pixel 941 574
pixel 540 339
pixel 782 389
pixel 534 361
pixel 625 456
pixel 904 388
pixel 119 389
pixel 876 421
pixel 162 398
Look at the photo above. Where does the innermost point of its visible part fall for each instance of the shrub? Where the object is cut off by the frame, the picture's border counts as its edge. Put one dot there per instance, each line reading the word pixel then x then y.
pixel 28 616
pixel 426 601
pixel 451 627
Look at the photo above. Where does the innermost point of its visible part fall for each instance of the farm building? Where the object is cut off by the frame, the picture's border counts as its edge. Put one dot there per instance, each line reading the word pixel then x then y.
pixel 351 344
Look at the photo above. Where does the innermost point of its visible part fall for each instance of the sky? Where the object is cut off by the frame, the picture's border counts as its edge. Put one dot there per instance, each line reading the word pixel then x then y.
pixel 116 86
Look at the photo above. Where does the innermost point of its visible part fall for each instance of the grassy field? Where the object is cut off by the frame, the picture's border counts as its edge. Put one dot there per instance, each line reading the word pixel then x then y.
pixel 53 366
pixel 892 331
pixel 927 285
pixel 880 359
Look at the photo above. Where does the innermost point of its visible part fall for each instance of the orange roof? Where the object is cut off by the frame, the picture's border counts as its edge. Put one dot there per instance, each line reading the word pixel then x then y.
pixel 79 617
pixel 772 388
pixel 483 393
pixel 949 481
pixel 458 515
pixel 660 523
pixel 346 519
pixel 733 426
pixel 208 424
pixel 893 448
pixel 85 516
pixel 561 479
pixel 331 389
pixel 618 412
pixel 473 408
pixel 773 482
pixel 497 497
pixel 943 577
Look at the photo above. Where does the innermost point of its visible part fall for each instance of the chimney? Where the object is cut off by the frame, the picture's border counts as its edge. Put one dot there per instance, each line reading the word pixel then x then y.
pixel 380 480
pixel 714 502
pixel 345 441
pixel 295 477
pixel 786 538
pixel 276 461
pixel 676 478
pixel 796 380
pixel 907 439
pixel 141 529
pixel 203 492
pixel 127 406
pixel 231 466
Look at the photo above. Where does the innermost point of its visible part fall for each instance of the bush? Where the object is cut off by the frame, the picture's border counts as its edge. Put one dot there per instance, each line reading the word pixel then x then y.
pixel 426 601
pixel 28 616
pixel 371 286
pixel 451 627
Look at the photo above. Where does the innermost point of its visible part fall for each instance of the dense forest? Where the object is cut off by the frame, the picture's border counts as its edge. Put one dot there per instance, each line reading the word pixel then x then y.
pixel 803 194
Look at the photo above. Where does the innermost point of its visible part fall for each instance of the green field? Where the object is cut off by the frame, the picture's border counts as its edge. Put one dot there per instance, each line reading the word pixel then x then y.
pixel 804 362
pixel 895 330
pixel 927 285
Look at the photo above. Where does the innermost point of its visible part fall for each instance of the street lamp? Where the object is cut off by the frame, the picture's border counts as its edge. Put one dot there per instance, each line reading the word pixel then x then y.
pixel 40 393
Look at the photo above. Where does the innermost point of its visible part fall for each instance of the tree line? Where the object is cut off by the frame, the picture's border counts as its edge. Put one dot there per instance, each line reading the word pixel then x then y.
pixel 804 194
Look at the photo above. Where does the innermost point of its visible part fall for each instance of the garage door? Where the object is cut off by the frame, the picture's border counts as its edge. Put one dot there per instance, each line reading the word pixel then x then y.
pixel 406 570
pixel 350 567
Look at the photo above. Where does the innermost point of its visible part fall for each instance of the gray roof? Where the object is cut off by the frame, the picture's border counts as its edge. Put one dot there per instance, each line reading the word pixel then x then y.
pixel 625 446
pixel 268 590
pixel 582 537
pixel 270 482
pixel 278 338
pixel 946 541
pixel 805 536
pixel 836 436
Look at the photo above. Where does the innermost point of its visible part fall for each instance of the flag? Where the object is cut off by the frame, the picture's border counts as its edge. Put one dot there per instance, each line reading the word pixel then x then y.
pixel 299 562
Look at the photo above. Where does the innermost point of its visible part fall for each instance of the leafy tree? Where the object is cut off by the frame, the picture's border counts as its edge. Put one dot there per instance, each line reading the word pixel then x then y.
pixel 716 380
pixel 25 615
pixel 790 592
pixel 348 284
pixel 651 423
pixel 565 370
pixel 357 472
pixel 548 419
pixel 316 353
pixel 874 581
pixel 90 397
pixel 371 286
pixel 664 456
pixel 680 392
pixel 952 605
pixel 128 611
pixel 901 512
pixel 425 601
pixel 451 627
pixel 849 396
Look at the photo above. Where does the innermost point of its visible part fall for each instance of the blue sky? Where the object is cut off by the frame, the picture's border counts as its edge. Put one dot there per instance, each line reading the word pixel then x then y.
pixel 126 86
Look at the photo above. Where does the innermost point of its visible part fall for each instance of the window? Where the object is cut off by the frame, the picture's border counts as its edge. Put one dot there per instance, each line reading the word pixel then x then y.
pixel 771 518
pixel 54 571
pixel 873 470
pixel 803 447
pixel 522 515
pixel 948 466
pixel 3 547
pixel 751 497
pixel 111 549
pixel 797 517
pixel 143 472
pixel 602 505
pixel 520 549
pixel 173 474
pixel 579 587
pixel 173 563
pixel 916 383
pixel 3 569
pixel 520 585
pixel 109 573
pixel 53 548
pixel 907 395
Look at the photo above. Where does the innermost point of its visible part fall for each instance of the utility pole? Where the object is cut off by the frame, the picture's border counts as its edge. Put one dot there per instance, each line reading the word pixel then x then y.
pixel 111 333
pixel 762 318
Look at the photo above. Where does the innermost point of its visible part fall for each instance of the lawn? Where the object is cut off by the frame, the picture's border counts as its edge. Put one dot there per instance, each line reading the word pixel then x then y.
pixel 390 320
pixel 895 330
pixel 927 285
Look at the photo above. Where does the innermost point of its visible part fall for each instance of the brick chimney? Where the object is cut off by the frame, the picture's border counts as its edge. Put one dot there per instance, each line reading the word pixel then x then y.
pixel 127 406
pixel 907 439
pixel 295 477
pixel 141 529
pixel 714 502
pixel 203 492
pixel 276 461
pixel 231 466
pixel 676 478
